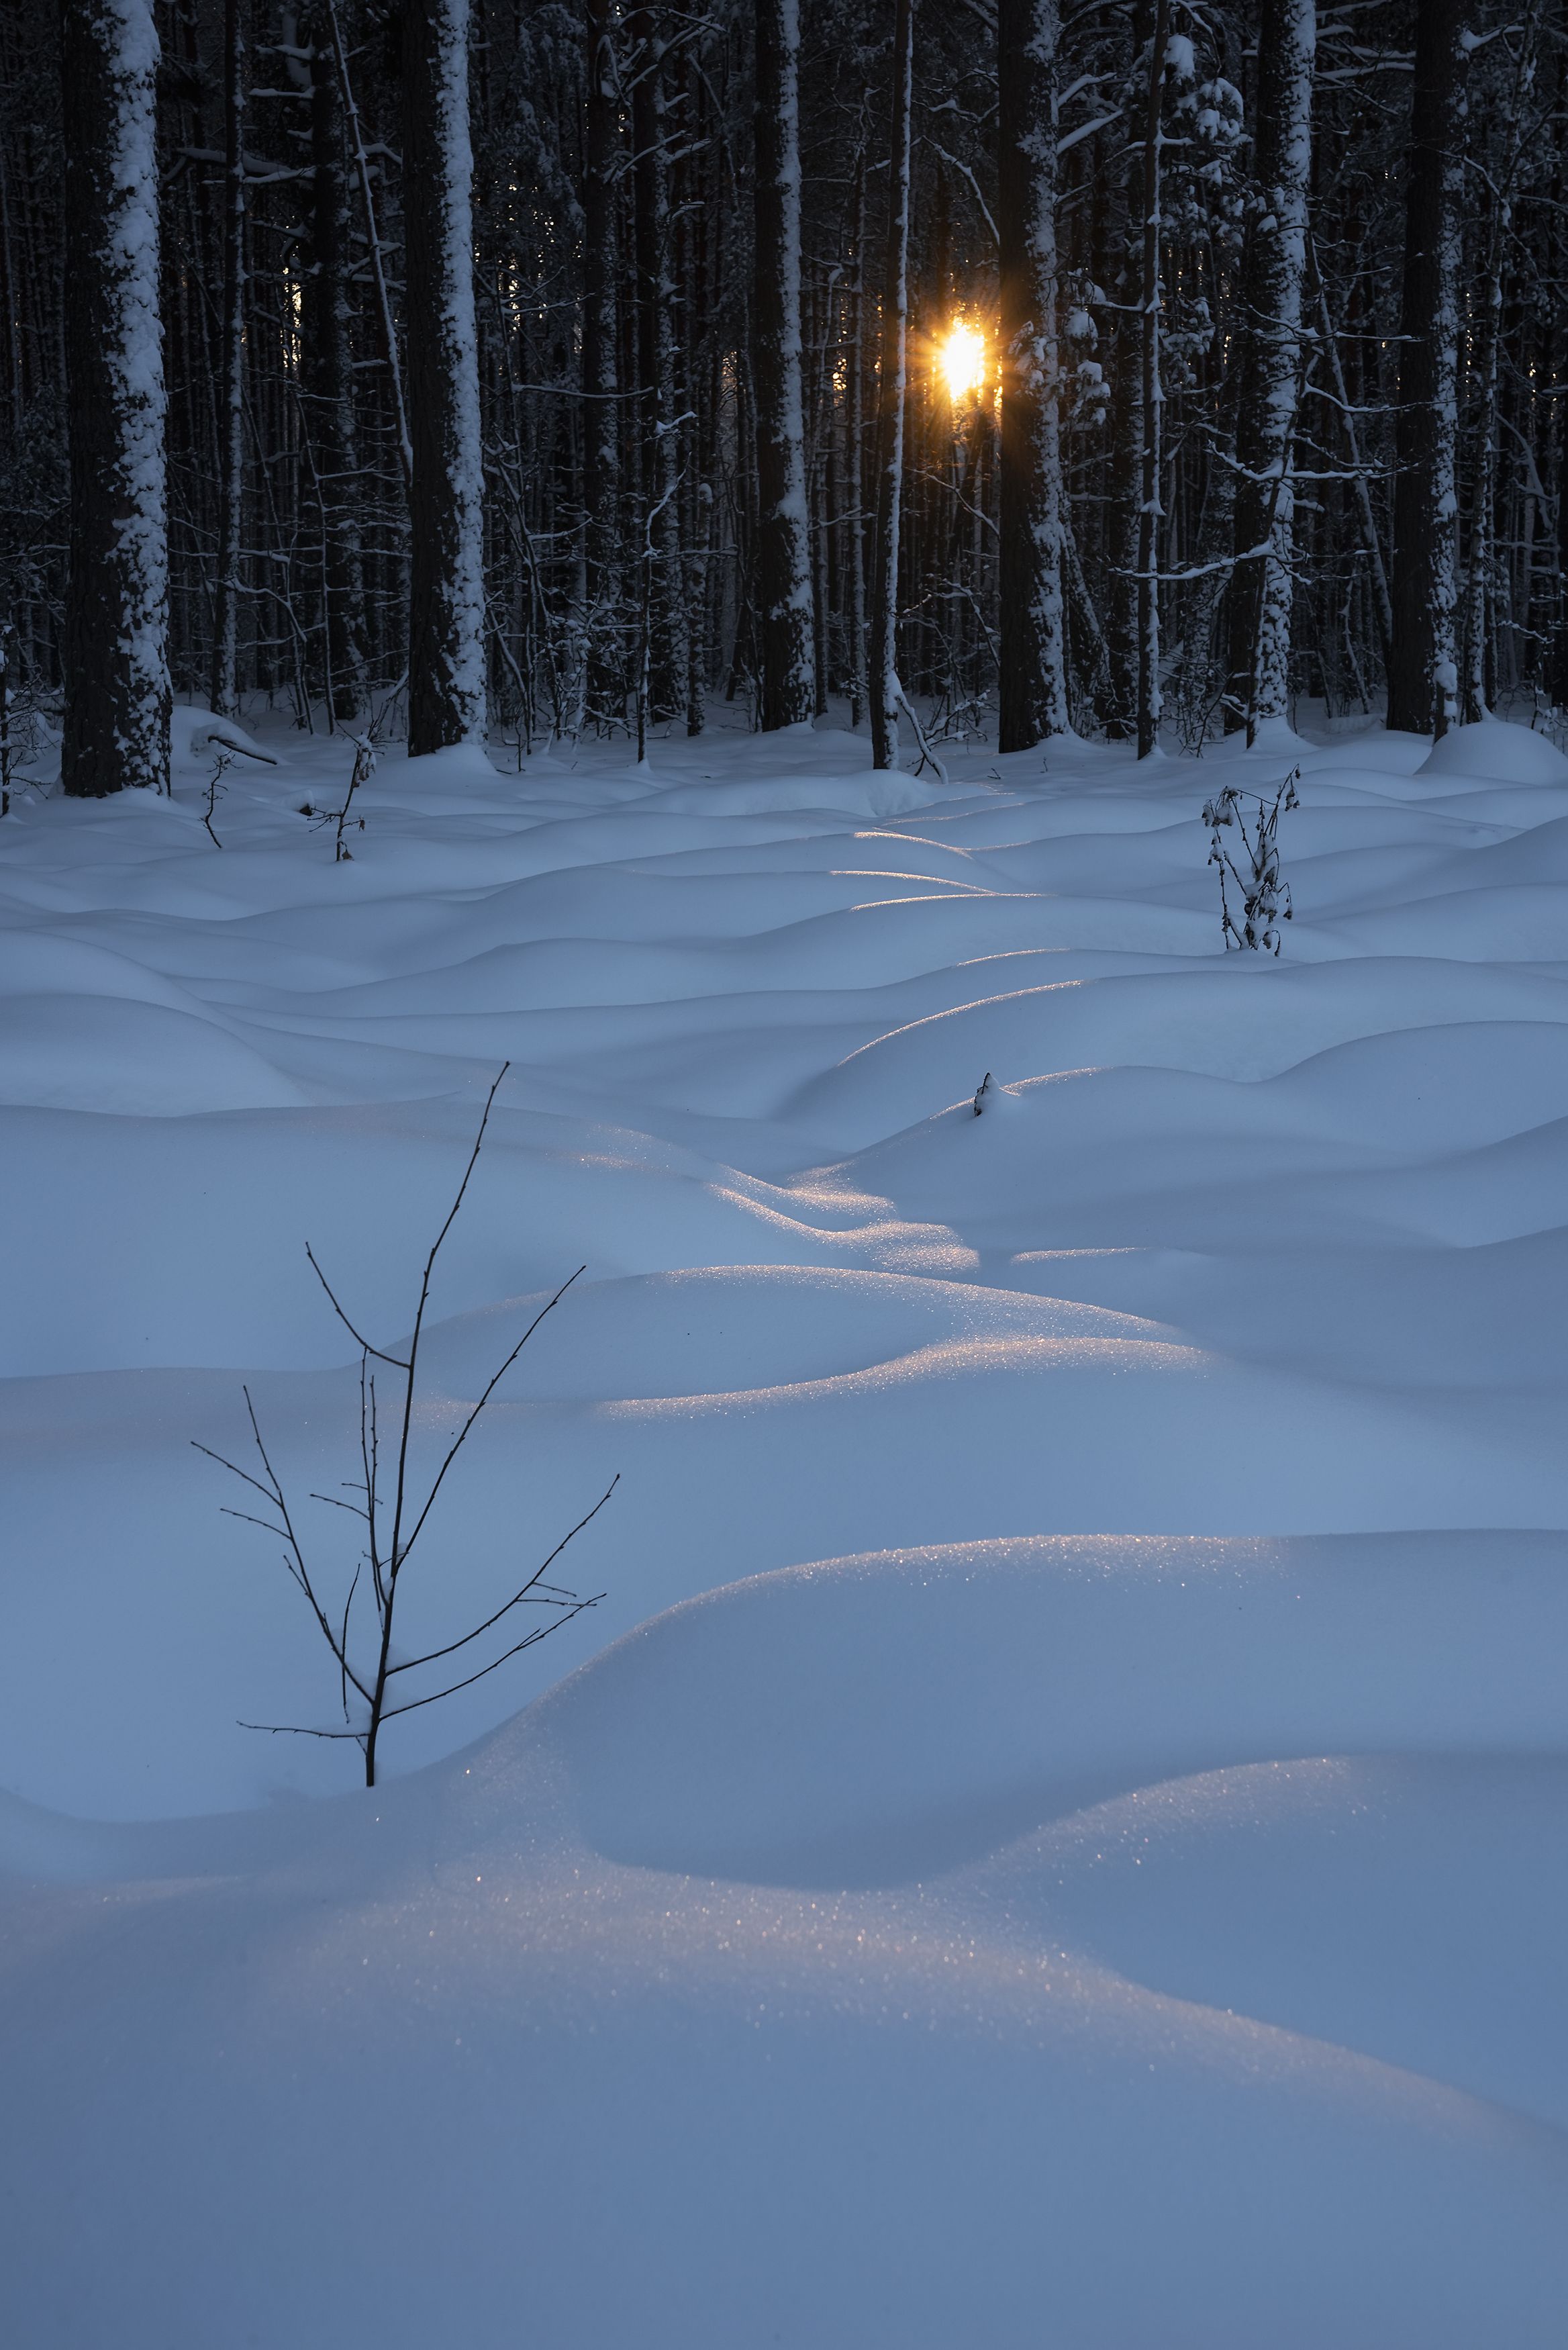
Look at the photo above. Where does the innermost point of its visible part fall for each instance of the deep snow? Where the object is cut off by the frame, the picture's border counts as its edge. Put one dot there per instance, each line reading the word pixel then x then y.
pixel 1119 1900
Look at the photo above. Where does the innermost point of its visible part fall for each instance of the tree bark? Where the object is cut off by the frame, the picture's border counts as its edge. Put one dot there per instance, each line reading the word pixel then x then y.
pixel 446 620
pixel 1423 676
pixel 784 599
pixel 330 379
pixel 114 653
pixel 1153 395
pixel 885 693
pixel 231 401
pixel 1275 278
pixel 666 661
pixel 1033 681
pixel 600 376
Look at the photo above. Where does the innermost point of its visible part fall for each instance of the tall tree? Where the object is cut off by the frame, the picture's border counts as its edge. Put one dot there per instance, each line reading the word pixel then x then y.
pixel 600 374
pixel 114 653
pixel 1033 672
pixel 1271 367
pixel 446 620
pixel 1423 676
pixel 1152 388
pixel 663 689
pixel 784 599
pixel 886 692
pixel 231 393
pixel 329 372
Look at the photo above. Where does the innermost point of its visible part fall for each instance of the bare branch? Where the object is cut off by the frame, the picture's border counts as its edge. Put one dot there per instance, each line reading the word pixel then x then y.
pixel 363 1344
pixel 461 1434
pixel 540 1632
pixel 534 1582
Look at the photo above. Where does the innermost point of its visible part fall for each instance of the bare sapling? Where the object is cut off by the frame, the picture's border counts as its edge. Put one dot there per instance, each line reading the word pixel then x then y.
pixel 1252 863
pixel 221 765
pixel 375 1683
pixel 364 767
pixel 366 754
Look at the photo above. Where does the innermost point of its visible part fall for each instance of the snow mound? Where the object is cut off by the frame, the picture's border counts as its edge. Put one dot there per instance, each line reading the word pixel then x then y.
pixel 960 2035
pixel 1498 752
pixel 1115 1895
pixel 872 1719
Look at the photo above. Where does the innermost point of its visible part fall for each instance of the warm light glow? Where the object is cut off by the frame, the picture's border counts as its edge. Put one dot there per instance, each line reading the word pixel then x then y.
pixel 963 360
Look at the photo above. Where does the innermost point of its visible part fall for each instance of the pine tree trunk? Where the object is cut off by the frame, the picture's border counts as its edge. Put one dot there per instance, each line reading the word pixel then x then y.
pixel 329 377
pixel 886 692
pixel 855 458
pixel 600 376
pixel 1274 277
pixel 232 409
pixel 1423 677
pixel 446 620
pixel 114 653
pixel 1033 683
pixel 666 661
pixel 783 593
pixel 1151 305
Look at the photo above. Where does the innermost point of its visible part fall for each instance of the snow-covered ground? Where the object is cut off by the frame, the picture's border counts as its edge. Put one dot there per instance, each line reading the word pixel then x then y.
pixel 1118 1900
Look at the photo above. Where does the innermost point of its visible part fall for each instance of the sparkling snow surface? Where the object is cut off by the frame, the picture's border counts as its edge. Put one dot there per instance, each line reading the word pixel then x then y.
pixel 1118 1902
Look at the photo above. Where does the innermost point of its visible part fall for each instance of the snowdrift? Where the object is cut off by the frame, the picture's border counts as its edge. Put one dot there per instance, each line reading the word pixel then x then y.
pixel 1112 1891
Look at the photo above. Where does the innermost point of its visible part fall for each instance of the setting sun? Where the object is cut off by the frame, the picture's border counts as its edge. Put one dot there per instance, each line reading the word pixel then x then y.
pixel 963 360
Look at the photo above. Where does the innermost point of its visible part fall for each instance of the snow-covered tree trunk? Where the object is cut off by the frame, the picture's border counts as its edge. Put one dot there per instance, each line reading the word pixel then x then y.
pixel 232 394
pixel 114 650
pixel 600 376
pixel 446 618
pixel 330 377
pixel 1151 305
pixel 784 599
pixel 666 653
pixel 1120 699
pixel 1033 681
pixel 886 692
pixel 855 458
pixel 1274 280
pixel 1423 679
pixel 1480 586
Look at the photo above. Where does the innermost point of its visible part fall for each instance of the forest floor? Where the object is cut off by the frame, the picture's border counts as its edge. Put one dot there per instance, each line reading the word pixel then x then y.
pixel 1119 1899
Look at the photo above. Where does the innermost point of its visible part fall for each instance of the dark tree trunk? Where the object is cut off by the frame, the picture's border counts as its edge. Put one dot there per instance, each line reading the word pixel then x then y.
pixel 1270 347
pixel 232 393
pixel 114 652
pixel 1151 475
pixel 600 378
pixel 885 693
pixel 666 662
pixel 1423 676
pixel 1119 701
pixel 1033 682
pixel 446 618
pixel 330 375
pixel 783 592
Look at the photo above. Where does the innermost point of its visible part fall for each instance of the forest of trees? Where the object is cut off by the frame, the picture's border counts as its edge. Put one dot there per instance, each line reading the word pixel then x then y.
pixel 998 368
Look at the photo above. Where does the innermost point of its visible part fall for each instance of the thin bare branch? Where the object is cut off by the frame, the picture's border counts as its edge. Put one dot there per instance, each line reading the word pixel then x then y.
pixel 534 1583
pixel 363 1344
pixel 458 1439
